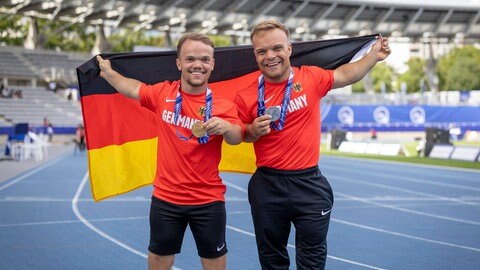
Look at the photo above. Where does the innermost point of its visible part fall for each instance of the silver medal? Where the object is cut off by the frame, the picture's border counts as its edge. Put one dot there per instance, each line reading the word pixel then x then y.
pixel 274 112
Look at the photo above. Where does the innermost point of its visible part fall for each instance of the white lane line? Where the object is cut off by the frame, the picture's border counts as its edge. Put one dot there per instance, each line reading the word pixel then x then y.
pixel 49 199
pixel 412 180
pixel 95 229
pixel 240 231
pixel 443 200
pixel 20 178
pixel 68 221
pixel 409 191
pixel 422 181
pixel 232 185
pixel 110 200
pixel 406 164
pixel 293 246
pixel 290 245
pixel 408 210
pixel 404 235
pixel 389 198
pixel 398 205
pixel 355 263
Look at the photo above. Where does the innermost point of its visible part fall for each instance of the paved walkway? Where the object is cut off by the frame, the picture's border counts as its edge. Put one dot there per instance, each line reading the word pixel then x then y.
pixel 10 168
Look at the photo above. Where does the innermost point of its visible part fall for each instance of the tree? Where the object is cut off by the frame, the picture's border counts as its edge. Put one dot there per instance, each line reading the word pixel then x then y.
pixel 358 87
pixel 460 69
pixel 63 36
pixel 124 40
pixel 13 29
pixel 414 75
pixel 221 41
pixel 381 73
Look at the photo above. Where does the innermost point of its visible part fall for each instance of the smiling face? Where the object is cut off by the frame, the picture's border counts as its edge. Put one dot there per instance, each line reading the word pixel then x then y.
pixel 196 62
pixel 272 52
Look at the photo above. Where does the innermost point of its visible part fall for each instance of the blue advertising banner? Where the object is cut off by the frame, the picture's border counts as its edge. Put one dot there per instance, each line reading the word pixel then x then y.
pixel 398 118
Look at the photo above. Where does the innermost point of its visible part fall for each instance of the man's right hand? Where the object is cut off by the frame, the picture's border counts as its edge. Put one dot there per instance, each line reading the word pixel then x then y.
pixel 104 65
pixel 259 127
pixel 127 86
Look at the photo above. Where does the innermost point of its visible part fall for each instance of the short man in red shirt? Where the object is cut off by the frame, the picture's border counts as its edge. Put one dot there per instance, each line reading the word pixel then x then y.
pixel 283 116
pixel 193 123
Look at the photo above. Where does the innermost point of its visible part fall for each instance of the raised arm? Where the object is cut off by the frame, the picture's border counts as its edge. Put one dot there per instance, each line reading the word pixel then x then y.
pixel 126 86
pixel 352 72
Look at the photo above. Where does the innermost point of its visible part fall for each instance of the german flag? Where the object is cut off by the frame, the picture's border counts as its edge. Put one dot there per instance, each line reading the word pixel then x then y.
pixel 121 135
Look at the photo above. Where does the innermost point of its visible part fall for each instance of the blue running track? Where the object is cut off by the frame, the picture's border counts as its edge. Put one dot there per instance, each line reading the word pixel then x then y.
pixel 386 216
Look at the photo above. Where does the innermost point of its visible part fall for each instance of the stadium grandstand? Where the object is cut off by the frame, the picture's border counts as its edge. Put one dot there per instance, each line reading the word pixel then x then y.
pixel 402 156
pixel 29 72
pixel 426 29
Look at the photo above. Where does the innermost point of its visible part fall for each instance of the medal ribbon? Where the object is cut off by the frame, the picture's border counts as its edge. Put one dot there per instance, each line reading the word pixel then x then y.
pixel 208 114
pixel 286 100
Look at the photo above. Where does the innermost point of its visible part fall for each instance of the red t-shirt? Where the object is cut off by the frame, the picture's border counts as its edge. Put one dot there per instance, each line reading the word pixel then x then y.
pixel 297 145
pixel 187 172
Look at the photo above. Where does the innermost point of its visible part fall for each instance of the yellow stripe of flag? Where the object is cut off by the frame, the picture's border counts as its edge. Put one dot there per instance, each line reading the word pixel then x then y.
pixel 238 158
pixel 122 168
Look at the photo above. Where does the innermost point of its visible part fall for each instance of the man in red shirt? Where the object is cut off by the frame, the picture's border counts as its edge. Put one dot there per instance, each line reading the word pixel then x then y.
pixel 283 116
pixel 193 122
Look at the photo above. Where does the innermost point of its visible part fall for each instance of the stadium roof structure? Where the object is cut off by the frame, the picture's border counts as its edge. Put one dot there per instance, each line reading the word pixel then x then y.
pixel 307 20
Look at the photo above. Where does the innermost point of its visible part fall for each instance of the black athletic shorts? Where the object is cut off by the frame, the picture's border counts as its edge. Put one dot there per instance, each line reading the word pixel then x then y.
pixel 280 198
pixel 168 223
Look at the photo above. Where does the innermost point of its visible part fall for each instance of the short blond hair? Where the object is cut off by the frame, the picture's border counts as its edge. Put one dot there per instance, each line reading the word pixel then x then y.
pixel 268 25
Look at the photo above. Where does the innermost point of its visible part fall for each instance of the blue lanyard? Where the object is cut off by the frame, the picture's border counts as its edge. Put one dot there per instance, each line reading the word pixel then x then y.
pixel 286 100
pixel 208 115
